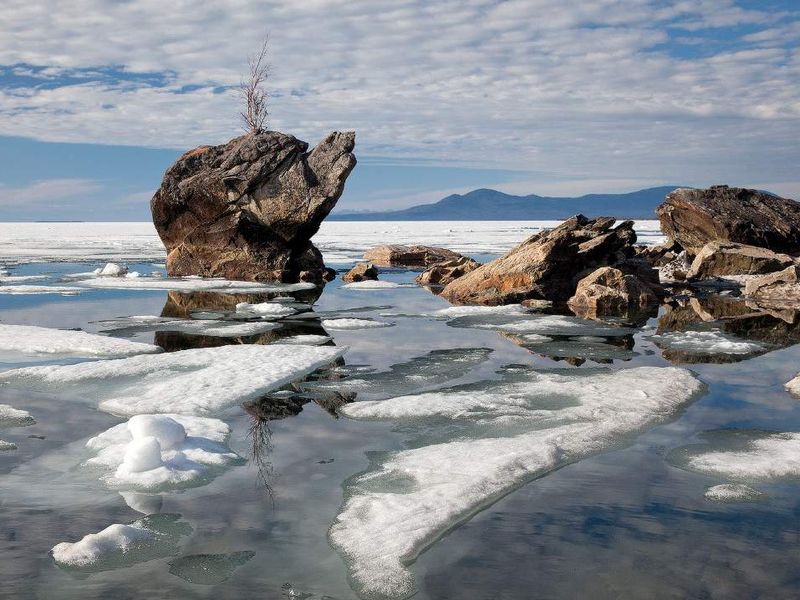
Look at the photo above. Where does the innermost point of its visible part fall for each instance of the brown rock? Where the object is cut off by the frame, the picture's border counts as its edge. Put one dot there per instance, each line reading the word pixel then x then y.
pixel 444 272
pixel 609 290
pixel 692 218
pixel 247 209
pixel 395 255
pixel 362 271
pixel 547 265
pixel 718 259
pixel 780 289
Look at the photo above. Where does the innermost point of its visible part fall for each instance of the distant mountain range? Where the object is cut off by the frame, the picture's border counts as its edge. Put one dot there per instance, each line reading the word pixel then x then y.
pixel 491 205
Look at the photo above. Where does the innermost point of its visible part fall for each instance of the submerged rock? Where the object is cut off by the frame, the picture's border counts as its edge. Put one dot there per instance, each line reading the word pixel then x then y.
pixel 361 272
pixel 692 218
pixel 719 259
pixel 610 290
pixel 547 265
pixel 440 274
pixel 396 255
pixel 247 209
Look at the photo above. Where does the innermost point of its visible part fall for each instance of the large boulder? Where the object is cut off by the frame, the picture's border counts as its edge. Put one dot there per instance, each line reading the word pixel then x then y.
pixel 361 272
pixel 779 289
pixel 397 255
pixel 547 265
pixel 609 290
pixel 248 209
pixel 719 259
pixel 440 274
pixel 694 217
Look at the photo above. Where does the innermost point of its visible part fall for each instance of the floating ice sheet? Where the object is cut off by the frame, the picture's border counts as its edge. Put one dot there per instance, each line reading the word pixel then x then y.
pixel 209 569
pixel 743 455
pixel 5 279
pixel 347 323
pixel 733 492
pixel 31 340
pixel 265 310
pixel 162 452
pixel 376 285
pixel 465 311
pixel 532 323
pixel 118 546
pixel 477 443
pixel 21 290
pixel 210 327
pixel 193 284
pixel 199 381
pixel 705 342
pixel 5 446
pixel 308 339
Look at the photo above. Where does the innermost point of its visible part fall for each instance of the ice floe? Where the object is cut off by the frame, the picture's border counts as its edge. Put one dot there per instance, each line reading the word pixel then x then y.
pixel 308 339
pixel 161 452
pixel 210 327
pixel 118 546
pixel 743 455
pixel 532 323
pixel 37 341
pixel 265 310
pixel 20 278
pixel 112 270
pixel 375 285
pixel 705 342
pixel 14 417
pixel 733 492
pixel 200 381
pixel 346 323
pixel 193 284
pixel 21 290
pixel 465 311
pixel 209 569
pixel 491 438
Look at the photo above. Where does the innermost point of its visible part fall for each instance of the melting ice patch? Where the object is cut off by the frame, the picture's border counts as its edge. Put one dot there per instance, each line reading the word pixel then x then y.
pixel 743 455
pixel 540 324
pixel 193 284
pixel 159 452
pixel 375 285
pixel 31 340
pixel 21 290
pixel 209 327
pixel 348 323
pixel 118 546
pixel 705 342
pixel 200 381
pixel 265 310
pixel 476 444
pixel 465 311
pixel 733 492
pixel 14 417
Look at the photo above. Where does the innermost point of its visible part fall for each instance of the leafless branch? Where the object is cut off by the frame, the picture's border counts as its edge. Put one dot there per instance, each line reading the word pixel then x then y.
pixel 254 92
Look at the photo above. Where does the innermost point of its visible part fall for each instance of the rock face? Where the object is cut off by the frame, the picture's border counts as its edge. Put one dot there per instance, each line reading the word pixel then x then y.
pixel 718 259
pixel 547 265
pixel 444 272
pixel 608 290
pixel 247 209
pixel 780 289
pixel 395 255
pixel 692 218
pixel 361 272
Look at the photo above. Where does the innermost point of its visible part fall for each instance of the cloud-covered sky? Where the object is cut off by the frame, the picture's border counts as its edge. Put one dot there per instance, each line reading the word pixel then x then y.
pixel 538 96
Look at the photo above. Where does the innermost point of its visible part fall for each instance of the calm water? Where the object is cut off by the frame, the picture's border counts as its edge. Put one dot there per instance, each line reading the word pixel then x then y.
pixel 623 523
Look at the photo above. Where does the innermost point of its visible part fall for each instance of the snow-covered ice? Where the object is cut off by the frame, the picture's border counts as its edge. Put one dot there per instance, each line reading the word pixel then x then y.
pixel 265 310
pixel 118 546
pixel 465 311
pixel 375 285
pixel 733 492
pixel 14 417
pixel 492 440
pixel 22 290
pixel 33 340
pixel 532 323
pixel 308 339
pixel 346 323
pixel 200 381
pixel 161 452
pixel 111 270
pixel 192 284
pixel 210 327
pixel 705 342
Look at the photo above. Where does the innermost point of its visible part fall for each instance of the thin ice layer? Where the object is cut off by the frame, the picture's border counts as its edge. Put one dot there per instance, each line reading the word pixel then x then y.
pixel 265 310
pixel 210 327
pixel 162 452
pixel 200 381
pixel 31 340
pixel 733 492
pixel 705 342
pixel 118 546
pixel 488 441
pixel 537 323
pixel 465 311
pixel 349 323
pixel 14 417
pixel 22 290
pixel 193 284
pixel 370 284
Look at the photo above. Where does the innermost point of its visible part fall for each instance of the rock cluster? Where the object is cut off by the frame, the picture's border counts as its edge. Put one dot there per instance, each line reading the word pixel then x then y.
pixel 247 209
pixel 442 273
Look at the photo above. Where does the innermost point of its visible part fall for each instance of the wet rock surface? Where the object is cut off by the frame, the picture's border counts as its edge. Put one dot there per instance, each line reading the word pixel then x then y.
pixel 361 272
pixel 718 259
pixel 247 209
pixel 440 274
pixel 609 290
pixel 413 256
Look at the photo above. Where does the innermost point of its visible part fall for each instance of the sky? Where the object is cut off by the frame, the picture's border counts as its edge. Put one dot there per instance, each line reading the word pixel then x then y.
pixel 97 97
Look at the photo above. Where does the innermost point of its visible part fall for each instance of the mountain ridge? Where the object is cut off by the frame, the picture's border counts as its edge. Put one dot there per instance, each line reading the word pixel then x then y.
pixel 485 204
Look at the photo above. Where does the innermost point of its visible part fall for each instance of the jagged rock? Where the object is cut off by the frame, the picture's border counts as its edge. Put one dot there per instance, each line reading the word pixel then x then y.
pixel 780 289
pixel 609 290
pixel 361 272
pixel 658 256
pixel 692 218
pixel 444 272
pixel 247 209
pixel 675 270
pixel 718 259
pixel 547 265
pixel 396 255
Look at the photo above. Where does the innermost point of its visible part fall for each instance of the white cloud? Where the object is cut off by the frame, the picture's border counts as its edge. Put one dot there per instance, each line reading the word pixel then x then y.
pixel 579 90
pixel 45 191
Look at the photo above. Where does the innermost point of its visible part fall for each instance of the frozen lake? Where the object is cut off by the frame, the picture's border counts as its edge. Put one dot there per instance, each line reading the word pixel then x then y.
pixel 183 438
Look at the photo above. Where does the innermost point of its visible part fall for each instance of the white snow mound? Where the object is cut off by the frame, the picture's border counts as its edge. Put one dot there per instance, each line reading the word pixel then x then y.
pixel 32 340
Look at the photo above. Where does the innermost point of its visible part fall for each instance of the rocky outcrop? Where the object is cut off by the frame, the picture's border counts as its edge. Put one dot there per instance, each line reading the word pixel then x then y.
pixel 780 289
pixel 676 270
pixel 718 259
pixel 692 218
pixel 247 209
pixel 361 272
pixel 440 274
pixel 547 265
pixel 609 290
pixel 396 255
